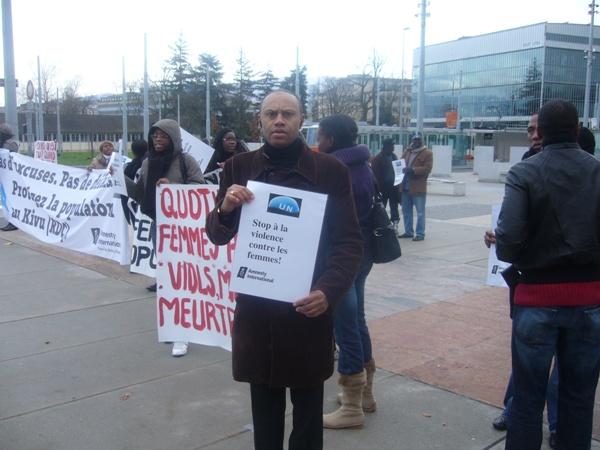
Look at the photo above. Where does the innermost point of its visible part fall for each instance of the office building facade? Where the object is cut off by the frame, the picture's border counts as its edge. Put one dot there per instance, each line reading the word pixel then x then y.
pixel 497 80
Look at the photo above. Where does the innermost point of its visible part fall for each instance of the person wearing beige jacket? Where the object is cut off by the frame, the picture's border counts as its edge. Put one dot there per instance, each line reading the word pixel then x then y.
pixel 419 162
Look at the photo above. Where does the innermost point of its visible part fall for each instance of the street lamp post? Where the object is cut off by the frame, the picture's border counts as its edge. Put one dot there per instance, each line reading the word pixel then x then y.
pixel 588 73
pixel 421 97
pixel 402 85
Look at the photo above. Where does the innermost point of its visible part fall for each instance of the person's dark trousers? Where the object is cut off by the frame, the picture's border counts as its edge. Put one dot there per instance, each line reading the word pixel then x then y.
pixel 268 416
pixel 573 333
pixel 551 397
pixel 391 194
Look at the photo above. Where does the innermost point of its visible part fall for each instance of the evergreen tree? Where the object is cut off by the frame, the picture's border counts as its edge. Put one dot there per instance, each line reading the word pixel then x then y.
pixel 177 85
pixel 266 84
pixel 289 83
pixel 243 102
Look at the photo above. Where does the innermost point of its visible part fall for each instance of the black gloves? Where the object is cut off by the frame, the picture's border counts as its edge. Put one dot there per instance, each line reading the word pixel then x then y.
pixel 408 171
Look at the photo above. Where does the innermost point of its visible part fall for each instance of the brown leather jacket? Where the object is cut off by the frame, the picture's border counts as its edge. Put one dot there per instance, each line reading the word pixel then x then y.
pixel 272 343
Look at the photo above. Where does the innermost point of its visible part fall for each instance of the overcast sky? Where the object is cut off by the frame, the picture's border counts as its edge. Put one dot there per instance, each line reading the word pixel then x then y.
pixel 86 39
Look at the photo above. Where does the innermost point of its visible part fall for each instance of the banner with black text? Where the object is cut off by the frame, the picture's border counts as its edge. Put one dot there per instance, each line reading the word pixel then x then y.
pixel 65 206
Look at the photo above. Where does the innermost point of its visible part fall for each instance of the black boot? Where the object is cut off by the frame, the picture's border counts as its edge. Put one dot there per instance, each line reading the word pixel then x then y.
pixel 9 227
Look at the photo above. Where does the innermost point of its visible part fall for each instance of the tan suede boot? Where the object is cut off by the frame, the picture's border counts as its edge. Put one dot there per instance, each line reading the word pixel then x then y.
pixel 350 414
pixel 368 401
pixel 369 404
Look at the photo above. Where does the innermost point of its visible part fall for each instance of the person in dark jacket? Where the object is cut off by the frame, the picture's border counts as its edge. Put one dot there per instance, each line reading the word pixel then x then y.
pixel 337 136
pixel 139 148
pixel 7 142
pixel 166 163
pixel 226 145
pixel 549 230
pixel 278 345
pixel 586 140
pixel 385 175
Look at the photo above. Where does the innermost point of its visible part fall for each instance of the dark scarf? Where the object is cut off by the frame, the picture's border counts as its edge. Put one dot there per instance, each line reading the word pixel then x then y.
pixel 158 165
pixel 284 157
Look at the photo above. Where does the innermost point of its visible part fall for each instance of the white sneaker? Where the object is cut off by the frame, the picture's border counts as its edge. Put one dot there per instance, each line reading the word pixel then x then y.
pixel 179 348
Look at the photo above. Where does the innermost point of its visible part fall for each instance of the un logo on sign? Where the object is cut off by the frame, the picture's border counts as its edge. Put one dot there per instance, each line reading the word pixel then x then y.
pixel 286 206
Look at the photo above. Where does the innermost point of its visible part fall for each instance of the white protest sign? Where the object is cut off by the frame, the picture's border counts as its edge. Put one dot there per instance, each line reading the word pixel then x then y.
pixel 194 303
pixel 65 206
pixel 277 244
pixel 118 176
pixel 143 257
pixel 45 151
pixel 198 149
pixel 399 165
pixel 495 266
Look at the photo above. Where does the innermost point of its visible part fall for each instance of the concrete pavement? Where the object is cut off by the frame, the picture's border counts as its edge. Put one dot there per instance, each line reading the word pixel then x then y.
pixel 80 366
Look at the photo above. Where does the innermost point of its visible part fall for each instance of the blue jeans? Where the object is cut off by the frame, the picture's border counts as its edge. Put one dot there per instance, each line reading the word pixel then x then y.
pixel 407 212
pixel 573 333
pixel 551 397
pixel 350 325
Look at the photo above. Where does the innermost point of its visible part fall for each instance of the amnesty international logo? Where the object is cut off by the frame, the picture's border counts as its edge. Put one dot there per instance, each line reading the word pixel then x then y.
pixel 95 234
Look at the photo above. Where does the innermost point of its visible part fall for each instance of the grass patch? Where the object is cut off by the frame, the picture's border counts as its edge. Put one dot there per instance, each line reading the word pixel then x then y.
pixel 75 158
pixel 81 159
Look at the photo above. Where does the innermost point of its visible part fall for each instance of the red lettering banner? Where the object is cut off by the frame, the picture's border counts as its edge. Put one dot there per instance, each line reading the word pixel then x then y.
pixel 194 303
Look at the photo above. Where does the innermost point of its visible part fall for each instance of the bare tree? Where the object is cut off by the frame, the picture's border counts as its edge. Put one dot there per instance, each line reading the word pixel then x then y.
pixel 337 97
pixel 72 102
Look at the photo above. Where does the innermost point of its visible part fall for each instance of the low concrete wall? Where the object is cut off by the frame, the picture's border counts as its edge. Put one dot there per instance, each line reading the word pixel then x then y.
pixel 516 154
pixel 437 186
pixel 442 160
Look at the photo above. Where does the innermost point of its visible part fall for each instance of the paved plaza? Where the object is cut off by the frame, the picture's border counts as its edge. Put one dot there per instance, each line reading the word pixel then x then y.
pixel 81 368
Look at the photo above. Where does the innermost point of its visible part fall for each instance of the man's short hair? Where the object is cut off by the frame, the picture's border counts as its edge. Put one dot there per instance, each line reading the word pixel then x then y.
pixel 284 91
pixel 388 143
pixel 558 121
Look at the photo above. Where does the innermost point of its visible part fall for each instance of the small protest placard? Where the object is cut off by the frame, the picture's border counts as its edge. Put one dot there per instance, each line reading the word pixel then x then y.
pixel 277 244
pixel 198 149
pixel 399 165
pixel 495 266
pixel 45 151
pixel 117 173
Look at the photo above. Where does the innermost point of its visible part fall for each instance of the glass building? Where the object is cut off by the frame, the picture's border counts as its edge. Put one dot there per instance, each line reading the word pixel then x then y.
pixel 498 80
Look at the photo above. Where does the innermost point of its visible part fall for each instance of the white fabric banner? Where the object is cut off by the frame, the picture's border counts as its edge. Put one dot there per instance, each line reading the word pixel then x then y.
pixel 277 244
pixel 194 303
pixel 65 206
pixel 198 149
pixel 143 257
pixel 495 266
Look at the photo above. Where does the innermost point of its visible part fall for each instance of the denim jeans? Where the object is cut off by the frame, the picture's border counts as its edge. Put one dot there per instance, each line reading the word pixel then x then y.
pixel 407 212
pixel 573 333
pixel 551 397
pixel 350 325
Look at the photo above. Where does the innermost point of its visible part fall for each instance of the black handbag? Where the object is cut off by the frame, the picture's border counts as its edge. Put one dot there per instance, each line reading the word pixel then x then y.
pixel 384 243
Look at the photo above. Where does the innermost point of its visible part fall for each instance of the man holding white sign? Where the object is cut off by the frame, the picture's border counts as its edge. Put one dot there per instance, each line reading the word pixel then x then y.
pixel 280 344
